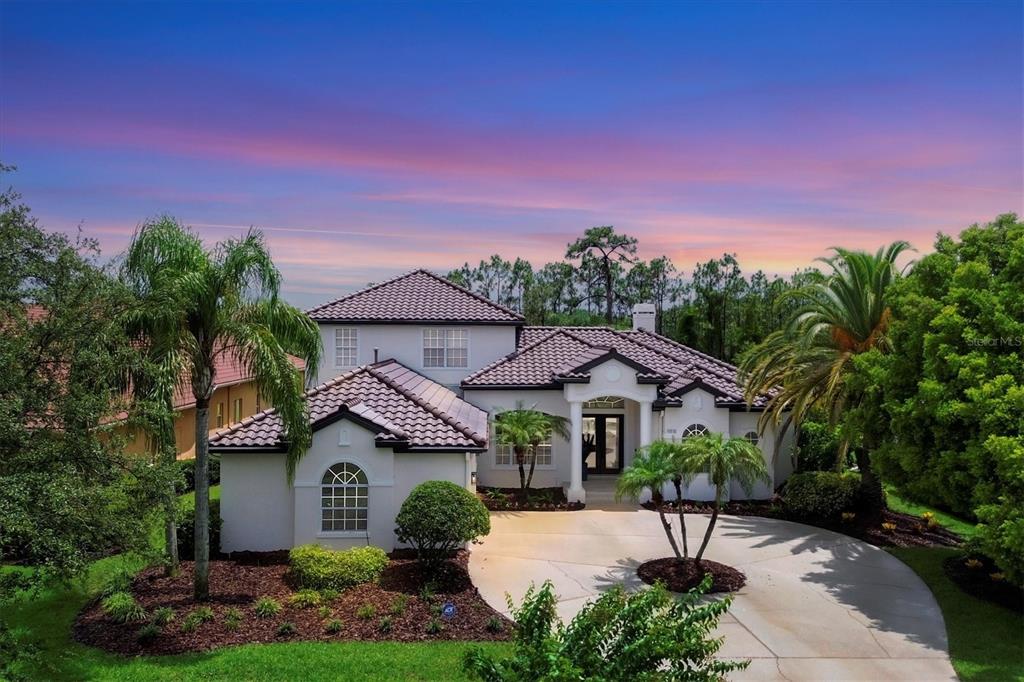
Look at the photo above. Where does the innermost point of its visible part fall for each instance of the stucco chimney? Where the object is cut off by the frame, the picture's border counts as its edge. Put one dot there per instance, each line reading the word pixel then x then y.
pixel 643 316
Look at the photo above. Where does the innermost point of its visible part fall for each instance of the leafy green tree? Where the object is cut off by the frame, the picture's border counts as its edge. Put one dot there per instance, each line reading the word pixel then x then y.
pixel 723 460
pixel 607 248
pixel 68 493
pixel 949 406
pixel 201 304
pixel 524 429
pixel 654 467
pixel 805 365
pixel 644 635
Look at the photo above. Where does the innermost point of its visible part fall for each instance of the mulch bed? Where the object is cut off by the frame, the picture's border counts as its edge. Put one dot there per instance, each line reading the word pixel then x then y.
pixel 909 531
pixel 978 581
pixel 239 581
pixel 682 575
pixel 535 499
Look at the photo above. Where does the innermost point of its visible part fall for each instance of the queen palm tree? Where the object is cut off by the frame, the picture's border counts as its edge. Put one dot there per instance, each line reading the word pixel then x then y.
pixel 524 429
pixel 804 365
pixel 653 467
pixel 723 460
pixel 200 304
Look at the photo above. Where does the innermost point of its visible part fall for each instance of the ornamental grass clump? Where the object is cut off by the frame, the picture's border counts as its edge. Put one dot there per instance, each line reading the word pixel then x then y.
pixel 304 599
pixel 644 635
pixel 267 607
pixel 318 568
pixel 439 517
pixel 123 608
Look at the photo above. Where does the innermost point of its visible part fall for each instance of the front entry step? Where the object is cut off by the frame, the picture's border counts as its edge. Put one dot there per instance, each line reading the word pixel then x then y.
pixel 601 494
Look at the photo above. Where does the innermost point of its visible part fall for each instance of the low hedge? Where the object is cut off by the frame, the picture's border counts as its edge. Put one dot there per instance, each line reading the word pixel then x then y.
pixel 187 530
pixel 318 568
pixel 821 495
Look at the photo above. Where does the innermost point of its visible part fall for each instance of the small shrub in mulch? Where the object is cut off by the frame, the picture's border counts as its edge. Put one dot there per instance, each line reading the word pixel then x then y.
pixel 980 577
pixel 534 499
pixel 237 584
pixel 895 529
pixel 682 575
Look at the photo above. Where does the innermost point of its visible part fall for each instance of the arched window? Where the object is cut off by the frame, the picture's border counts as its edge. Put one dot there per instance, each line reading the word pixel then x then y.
pixel 752 437
pixel 607 402
pixel 344 494
pixel 694 430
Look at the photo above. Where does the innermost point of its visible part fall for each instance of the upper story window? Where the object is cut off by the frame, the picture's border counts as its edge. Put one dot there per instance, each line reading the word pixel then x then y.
pixel 445 348
pixel 220 415
pixel 236 411
pixel 346 347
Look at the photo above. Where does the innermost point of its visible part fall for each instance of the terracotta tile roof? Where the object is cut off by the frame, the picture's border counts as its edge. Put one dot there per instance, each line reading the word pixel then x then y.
pixel 547 354
pixel 417 296
pixel 405 408
pixel 227 371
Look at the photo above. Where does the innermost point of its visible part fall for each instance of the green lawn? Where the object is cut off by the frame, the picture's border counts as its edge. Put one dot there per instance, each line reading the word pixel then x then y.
pixel 46 621
pixel 964 529
pixel 986 642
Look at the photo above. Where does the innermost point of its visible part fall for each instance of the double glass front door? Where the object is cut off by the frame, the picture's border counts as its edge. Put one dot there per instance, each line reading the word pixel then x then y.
pixel 602 443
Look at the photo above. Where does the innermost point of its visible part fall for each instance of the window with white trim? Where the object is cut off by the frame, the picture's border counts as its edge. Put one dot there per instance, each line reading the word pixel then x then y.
pixel 505 456
pixel 695 430
pixel 752 437
pixel 344 498
pixel 346 347
pixel 445 348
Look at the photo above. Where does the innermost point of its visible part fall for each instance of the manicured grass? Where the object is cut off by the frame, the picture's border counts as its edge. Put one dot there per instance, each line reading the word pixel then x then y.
pixel 46 621
pixel 986 642
pixel 964 529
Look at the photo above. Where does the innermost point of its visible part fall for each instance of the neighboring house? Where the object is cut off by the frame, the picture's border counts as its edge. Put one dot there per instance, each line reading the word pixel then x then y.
pixel 413 368
pixel 235 398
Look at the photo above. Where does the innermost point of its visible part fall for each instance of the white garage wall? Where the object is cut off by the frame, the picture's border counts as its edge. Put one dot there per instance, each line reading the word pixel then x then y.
pixel 256 503
pixel 262 512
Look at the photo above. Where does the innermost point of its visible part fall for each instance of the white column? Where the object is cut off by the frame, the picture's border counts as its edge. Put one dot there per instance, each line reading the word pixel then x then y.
pixel 576 493
pixel 645 422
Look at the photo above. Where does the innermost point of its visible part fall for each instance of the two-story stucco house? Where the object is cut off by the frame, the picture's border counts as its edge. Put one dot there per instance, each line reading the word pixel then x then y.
pixel 413 370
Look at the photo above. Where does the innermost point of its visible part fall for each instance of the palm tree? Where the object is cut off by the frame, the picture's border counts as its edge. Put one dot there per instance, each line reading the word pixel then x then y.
pixel 804 365
pixel 723 460
pixel 201 304
pixel 653 467
pixel 524 429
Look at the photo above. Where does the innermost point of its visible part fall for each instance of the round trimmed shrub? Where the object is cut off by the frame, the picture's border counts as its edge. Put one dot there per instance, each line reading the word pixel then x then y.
pixel 318 568
pixel 822 495
pixel 438 517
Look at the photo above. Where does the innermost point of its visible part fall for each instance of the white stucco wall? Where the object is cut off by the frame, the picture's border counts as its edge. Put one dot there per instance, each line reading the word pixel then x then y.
pixel 404 342
pixel 261 512
pixel 256 503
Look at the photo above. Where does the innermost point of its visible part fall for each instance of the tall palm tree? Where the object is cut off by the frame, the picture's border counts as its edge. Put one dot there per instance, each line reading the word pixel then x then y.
pixel 804 365
pixel 653 467
pixel 723 460
pixel 201 304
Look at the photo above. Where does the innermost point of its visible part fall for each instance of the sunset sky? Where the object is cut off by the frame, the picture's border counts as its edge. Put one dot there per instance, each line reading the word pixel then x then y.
pixel 370 139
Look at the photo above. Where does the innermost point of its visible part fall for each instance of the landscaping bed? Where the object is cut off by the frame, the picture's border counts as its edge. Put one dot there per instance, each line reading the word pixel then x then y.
pixel 402 606
pixel 905 531
pixel 682 575
pixel 534 499
pixel 979 576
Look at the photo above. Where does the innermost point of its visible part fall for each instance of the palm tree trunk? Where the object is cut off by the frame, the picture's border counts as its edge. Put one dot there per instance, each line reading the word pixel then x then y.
pixel 711 527
pixel 678 484
pixel 201 583
pixel 872 497
pixel 666 526
pixel 533 465
pixel 520 458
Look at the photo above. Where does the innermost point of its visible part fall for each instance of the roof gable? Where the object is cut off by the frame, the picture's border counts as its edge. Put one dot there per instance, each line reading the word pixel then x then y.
pixel 419 296
pixel 404 409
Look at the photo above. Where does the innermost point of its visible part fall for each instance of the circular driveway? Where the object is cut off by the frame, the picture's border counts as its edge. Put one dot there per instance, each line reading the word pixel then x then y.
pixel 817 605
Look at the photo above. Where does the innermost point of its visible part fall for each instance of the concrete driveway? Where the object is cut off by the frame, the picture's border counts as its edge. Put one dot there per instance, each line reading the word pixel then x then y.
pixel 817 605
